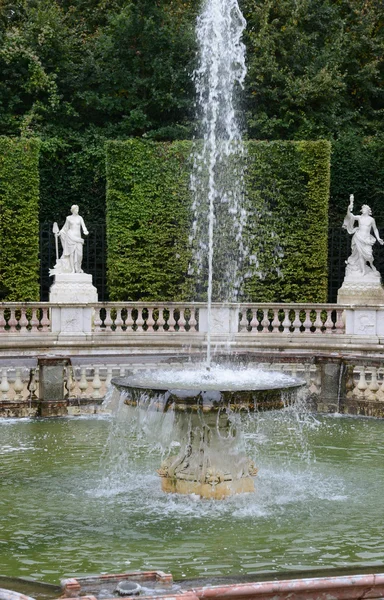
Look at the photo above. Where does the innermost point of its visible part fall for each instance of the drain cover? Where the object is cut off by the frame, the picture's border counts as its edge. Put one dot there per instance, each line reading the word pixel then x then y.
pixel 128 588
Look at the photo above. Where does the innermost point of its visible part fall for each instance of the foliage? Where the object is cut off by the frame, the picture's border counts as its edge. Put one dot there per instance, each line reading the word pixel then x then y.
pixel 122 67
pixel 288 191
pixel 19 227
pixel 357 168
pixel 315 67
pixel 148 219
pixel 72 171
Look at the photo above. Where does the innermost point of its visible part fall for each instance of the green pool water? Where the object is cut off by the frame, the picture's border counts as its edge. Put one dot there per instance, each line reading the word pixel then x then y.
pixel 76 499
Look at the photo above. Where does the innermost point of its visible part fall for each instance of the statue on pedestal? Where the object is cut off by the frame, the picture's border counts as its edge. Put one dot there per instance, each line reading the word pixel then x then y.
pixel 362 281
pixel 72 243
pixel 360 261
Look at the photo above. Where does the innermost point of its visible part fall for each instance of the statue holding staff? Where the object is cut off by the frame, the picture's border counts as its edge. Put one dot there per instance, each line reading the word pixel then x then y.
pixel 360 262
pixel 72 243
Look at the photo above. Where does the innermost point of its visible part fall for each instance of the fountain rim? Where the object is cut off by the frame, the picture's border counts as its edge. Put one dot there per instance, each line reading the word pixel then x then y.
pixel 133 383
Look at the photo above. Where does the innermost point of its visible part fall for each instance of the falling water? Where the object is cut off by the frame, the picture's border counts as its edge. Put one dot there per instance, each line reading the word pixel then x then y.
pixel 218 161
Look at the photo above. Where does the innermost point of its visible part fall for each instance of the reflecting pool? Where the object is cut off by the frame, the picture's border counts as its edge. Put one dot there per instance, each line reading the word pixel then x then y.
pixel 81 496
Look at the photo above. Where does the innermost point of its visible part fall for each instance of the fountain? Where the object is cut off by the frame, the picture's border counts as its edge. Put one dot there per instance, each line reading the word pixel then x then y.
pixel 206 429
pixel 209 463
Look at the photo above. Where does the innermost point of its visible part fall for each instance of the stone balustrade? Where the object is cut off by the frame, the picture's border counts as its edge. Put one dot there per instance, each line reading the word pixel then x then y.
pixel 291 318
pixel 26 317
pixel 21 384
pixel 139 317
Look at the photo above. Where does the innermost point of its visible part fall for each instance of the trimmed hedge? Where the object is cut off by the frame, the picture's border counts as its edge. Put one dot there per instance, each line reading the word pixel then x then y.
pixel 149 216
pixel 288 191
pixel 19 224
pixel 148 219
pixel 72 171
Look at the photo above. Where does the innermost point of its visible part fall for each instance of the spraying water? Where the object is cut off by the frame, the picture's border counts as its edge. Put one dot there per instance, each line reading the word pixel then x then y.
pixel 218 162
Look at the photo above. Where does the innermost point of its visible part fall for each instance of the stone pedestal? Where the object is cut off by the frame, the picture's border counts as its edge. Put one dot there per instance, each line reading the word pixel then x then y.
pixel 209 464
pixel 72 288
pixel 361 290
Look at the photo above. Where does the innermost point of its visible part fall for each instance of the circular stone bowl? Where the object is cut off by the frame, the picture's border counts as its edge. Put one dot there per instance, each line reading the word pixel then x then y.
pixel 189 390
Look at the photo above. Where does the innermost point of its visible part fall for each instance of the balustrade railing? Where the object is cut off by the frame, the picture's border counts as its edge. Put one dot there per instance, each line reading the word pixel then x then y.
pixel 141 317
pixel 91 382
pixel 291 318
pixel 24 318
pixel 144 317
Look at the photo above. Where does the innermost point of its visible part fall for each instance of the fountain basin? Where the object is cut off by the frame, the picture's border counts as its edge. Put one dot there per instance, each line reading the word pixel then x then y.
pixel 210 462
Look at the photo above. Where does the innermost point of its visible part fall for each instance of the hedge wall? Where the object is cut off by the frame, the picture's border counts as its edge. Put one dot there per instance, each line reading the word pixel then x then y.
pixel 148 220
pixel 72 171
pixel 19 223
pixel 288 191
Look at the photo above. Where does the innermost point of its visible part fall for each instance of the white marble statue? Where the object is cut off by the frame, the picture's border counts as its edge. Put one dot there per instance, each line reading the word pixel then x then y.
pixel 72 243
pixel 360 263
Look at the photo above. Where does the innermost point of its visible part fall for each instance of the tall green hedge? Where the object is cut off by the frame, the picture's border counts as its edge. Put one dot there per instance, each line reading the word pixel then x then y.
pixel 19 223
pixel 148 219
pixel 149 215
pixel 72 171
pixel 288 192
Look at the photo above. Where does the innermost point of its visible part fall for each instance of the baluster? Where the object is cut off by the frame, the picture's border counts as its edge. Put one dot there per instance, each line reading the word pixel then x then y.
pixel 318 324
pixel 340 324
pixel 307 321
pixel 296 322
pixel 371 391
pixel 287 321
pixel 45 320
pixel 35 321
pixel 12 323
pixel 243 323
pixel 3 322
pixel 122 371
pixel 182 321
pixel 140 321
pixel 160 320
pixel 4 385
pixel 119 320
pixel 362 385
pixel 254 324
pixel 109 376
pixel 329 326
pixel 150 320
pixel 96 384
pixel 23 321
pixel 129 322
pixel 18 386
pixel 83 383
pixel 275 321
pixel 265 321
pixel 171 319
pixel 108 321
pixel 97 322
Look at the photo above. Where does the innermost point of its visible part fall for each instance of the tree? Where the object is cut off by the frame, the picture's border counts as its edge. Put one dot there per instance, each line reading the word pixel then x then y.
pixel 315 67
